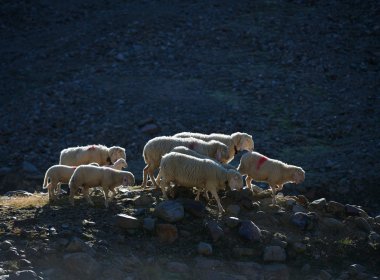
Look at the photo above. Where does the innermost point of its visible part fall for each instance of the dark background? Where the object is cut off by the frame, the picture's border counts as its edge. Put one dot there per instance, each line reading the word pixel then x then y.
pixel 301 76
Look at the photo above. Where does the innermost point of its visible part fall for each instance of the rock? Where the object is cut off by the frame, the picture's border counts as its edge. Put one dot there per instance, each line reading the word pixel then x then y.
pixel 195 208
pixel 336 208
pixel 276 271
pixel 12 254
pixel 302 200
pixel 167 233
pixel 363 224
pixel 144 200
pixel 274 253
pixel 298 208
pixel 319 204
pixel 113 273
pixel 24 263
pixel 149 224
pixel 232 222
pixel 215 230
pixel 356 269
pixel 332 224
pixel 131 263
pixel 248 204
pixel 178 267
pixel 324 275
pixel 377 219
pixel 5 245
pixel 352 210
pixel 299 247
pixel 303 221
pixel 169 211
pixel 374 237
pixel 29 167
pixel 150 129
pixel 23 275
pixel 77 245
pixel 81 264
pixel 233 209
pixel 249 231
pixel 204 248
pixel 5 170
pixel 306 268
pixel 126 222
pixel 250 269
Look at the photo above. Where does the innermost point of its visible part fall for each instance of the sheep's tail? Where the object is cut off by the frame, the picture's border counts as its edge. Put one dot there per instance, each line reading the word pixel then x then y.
pixel 44 186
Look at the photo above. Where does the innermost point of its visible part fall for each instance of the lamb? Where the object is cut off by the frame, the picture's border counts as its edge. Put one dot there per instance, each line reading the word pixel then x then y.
pixel 76 156
pixel 274 172
pixel 189 171
pixel 87 176
pixel 235 142
pixel 57 175
pixel 157 147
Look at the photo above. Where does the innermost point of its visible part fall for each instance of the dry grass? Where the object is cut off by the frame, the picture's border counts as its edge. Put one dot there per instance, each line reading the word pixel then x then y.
pixel 36 200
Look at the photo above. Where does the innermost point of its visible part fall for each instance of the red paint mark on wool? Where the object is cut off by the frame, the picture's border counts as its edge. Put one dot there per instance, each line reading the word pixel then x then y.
pixel 91 148
pixel 192 146
pixel 261 162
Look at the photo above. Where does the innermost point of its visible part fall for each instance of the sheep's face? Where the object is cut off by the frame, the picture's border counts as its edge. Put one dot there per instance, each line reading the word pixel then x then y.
pixel 128 180
pixel 247 143
pixel 235 180
pixel 121 163
pixel 115 153
pixel 299 176
pixel 222 154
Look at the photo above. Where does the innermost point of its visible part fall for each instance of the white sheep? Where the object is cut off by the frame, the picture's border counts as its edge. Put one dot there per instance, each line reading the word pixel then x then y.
pixel 235 142
pixel 57 175
pixel 274 172
pixel 100 154
pixel 87 176
pixel 193 172
pixel 157 147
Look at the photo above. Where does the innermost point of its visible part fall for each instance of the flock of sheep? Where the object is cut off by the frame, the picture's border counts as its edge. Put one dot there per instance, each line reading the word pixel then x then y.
pixel 187 159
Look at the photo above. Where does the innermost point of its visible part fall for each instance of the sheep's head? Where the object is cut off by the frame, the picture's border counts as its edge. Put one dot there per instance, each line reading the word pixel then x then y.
pixel 115 153
pixel 128 179
pixel 243 141
pixel 235 180
pixel 221 151
pixel 298 175
pixel 120 164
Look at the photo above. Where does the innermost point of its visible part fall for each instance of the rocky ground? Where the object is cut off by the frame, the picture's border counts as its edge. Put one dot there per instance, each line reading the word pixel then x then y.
pixel 301 76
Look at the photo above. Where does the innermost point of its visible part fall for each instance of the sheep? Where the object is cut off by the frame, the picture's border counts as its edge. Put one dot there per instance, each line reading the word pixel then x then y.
pixel 155 148
pixel 274 172
pixel 235 142
pixel 87 176
pixel 76 156
pixel 189 171
pixel 57 175
pixel 118 165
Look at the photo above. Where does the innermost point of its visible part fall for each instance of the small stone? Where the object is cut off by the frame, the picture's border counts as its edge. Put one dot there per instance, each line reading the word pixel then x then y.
pixel 243 252
pixel 24 263
pixel 332 224
pixel 167 233
pixel 374 237
pixel 363 224
pixel 356 269
pixel 24 275
pixel 81 264
pixel 178 267
pixel 204 248
pixel 274 253
pixel 251 270
pixel 206 263
pixel 233 209
pixel 169 211
pixel 298 208
pixel 306 268
pixel 336 208
pixel 290 202
pixel 299 247
pixel 215 230
pixel 352 210
pixel 319 204
pixel 195 208
pixel 249 231
pixel 324 275
pixel 5 245
pixel 232 222
pixel 77 245
pixel 150 128
pixel 12 254
pixel 377 219
pixel 144 200
pixel 127 222
pixel 303 221
pixel 149 224
pixel 131 263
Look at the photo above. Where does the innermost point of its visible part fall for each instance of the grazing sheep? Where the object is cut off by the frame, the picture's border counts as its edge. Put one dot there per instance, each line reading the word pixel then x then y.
pixel 87 176
pixel 157 147
pixel 94 153
pixel 189 171
pixel 235 142
pixel 57 175
pixel 274 172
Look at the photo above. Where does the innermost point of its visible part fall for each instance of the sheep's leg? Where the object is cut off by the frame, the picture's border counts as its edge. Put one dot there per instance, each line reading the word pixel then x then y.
pixel 151 175
pixel 279 187
pixel 73 190
pixel 158 178
pixel 273 194
pixel 163 185
pixel 198 193
pixel 87 195
pixel 215 195
pixel 248 181
pixel 145 176
pixel 50 191
pixel 105 192
pixel 206 194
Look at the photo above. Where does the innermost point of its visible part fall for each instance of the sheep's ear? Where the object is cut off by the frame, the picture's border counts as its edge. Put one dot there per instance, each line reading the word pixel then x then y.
pixel 218 155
